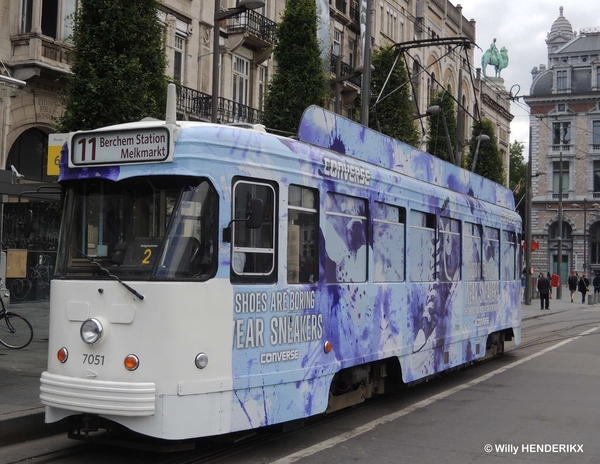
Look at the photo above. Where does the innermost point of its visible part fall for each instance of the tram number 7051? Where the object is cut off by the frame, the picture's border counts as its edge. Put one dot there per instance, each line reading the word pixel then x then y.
pixel 94 359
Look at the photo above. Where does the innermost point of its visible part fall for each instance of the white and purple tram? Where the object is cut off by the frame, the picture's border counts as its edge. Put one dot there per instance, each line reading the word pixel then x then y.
pixel 214 278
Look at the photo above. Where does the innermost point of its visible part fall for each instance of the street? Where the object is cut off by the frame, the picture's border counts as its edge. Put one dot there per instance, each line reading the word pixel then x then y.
pixel 537 403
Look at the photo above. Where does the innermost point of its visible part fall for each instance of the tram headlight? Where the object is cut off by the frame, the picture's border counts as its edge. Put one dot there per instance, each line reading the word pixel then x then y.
pixel 91 331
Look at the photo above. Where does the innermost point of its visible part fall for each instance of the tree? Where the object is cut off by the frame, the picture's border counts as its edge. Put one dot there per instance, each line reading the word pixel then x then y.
pixel 518 175
pixel 393 115
pixel 299 80
pixel 489 159
pixel 437 143
pixel 118 65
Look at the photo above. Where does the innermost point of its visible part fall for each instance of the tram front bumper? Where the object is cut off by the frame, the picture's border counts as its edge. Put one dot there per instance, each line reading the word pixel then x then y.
pixel 98 397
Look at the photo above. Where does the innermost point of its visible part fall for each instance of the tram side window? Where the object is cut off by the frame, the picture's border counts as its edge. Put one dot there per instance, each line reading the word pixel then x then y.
pixel 422 247
pixel 345 239
pixel 473 251
pixel 303 235
pixel 253 252
pixel 389 246
pixel 509 251
pixel 449 250
pixel 491 247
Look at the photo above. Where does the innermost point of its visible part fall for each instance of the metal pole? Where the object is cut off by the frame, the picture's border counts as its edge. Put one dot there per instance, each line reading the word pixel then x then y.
pixel 528 192
pixel 366 77
pixel 215 71
pixel 460 122
pixel 585 266
pixel 338 85
pixel 560 221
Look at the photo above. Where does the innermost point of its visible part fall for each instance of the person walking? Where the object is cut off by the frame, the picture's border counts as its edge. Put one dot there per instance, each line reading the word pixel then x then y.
pixel 572 284
pixel 583 286
pixel 596 283
pixel 543 286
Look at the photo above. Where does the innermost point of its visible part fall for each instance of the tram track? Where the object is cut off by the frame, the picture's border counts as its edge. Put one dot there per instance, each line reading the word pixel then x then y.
pixel 231 447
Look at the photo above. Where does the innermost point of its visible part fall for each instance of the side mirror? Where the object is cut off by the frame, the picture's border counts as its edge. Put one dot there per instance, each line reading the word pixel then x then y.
pixel 254 213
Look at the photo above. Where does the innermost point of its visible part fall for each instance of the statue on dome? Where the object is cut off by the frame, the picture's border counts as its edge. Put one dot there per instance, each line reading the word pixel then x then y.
pixel 498 59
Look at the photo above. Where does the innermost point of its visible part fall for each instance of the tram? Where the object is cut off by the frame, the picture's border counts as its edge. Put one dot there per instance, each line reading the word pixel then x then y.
pixel 216 278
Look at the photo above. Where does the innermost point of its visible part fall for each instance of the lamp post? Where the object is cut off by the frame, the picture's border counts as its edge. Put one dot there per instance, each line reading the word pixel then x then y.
pixel 437 109
pixel 366 79
pixel 562 141
pixel 480 138
pixel 242 6
pixel 528 227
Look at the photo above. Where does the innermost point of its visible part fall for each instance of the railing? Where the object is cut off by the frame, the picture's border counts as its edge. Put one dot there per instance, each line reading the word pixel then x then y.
pixel 346 70
pixel 563 148
pixel 595 146
pixel 355 12
pixel 255 23
pixel 556 196
pixel 199 105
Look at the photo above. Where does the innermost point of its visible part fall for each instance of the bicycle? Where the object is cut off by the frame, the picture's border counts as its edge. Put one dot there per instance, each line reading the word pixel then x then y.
pixel 15 331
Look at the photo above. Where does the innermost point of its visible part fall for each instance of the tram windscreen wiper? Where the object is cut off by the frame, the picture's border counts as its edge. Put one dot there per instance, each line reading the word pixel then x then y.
pixel 112 276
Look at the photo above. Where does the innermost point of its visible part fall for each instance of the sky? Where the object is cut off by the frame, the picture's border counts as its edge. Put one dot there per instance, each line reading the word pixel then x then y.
pixel 522 27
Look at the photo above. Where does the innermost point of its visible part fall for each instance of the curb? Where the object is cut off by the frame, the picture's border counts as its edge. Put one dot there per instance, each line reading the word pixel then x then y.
pixel 30 425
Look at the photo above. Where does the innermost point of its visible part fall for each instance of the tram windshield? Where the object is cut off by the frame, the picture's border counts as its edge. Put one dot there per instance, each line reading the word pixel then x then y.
pixel 139 228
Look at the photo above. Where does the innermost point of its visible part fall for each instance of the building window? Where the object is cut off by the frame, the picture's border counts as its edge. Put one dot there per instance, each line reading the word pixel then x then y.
pixel 567 233
pixel 241 80
pixel 26 13
pixel 561 135
pixel 556 179
pixel 561 79
pixel 69 12
pixel 596 179
pixel 596 135
pixel 595 243
pixel 178 58
pixel 337 43
pixel 352 53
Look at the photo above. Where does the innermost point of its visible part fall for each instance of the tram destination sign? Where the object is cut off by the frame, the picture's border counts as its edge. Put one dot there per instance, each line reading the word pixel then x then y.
pixel 121 146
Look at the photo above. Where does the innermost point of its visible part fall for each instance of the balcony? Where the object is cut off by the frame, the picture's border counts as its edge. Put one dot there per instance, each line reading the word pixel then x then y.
pixel 260 30
pixel 41 54
pixel 195 105
pixel 346 70
pixel 565 148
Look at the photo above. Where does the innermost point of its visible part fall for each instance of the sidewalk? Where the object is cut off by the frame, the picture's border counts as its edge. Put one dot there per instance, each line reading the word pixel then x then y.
pixel 22 413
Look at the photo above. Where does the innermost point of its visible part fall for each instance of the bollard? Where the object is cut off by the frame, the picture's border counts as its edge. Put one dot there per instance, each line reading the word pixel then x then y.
pixel 591 299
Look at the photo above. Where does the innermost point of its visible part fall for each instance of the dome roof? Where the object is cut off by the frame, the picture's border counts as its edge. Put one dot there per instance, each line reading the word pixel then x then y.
pixel 561 26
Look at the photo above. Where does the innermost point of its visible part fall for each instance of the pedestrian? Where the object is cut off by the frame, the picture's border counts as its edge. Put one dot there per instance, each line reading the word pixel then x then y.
pixel 572 284
pixel 543 286
pixel 583 286
pixel 596 283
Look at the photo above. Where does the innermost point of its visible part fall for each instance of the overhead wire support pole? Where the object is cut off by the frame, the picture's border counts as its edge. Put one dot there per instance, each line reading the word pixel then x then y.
pixel 528 238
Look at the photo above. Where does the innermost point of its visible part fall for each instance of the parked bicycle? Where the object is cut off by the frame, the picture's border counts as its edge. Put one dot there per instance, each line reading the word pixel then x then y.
pixel 15 331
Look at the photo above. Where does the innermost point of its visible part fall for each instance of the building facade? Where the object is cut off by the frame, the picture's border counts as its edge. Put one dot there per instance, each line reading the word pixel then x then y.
pixel 565 125
pixel 35 48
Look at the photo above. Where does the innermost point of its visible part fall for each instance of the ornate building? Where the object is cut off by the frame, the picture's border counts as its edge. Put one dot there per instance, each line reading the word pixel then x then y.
pixel 565 124
pixel 35 49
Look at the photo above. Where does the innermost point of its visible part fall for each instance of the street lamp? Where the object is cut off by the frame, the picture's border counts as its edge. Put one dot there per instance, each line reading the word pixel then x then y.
pixel 562 141
pixel 480 138
pixel 242 6
pixel 437 109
